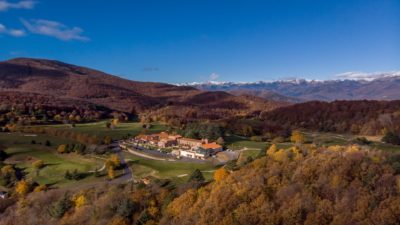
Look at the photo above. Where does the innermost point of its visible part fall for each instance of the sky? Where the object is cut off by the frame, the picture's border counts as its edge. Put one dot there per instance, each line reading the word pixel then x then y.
pixel 201 40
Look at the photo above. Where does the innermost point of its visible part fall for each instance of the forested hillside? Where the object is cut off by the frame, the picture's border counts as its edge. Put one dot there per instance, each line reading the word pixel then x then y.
pixel 358 117
pixel 302 184
pixel 64 82
pixel 340 185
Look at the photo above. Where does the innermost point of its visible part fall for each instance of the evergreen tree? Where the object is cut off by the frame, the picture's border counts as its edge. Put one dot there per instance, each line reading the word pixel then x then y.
pixel 76 175
pixel 391 138
pixel 126 208
pixel 197 176
pixel 231 165
pixel 3 155
pixel 60 207
pixel 68 175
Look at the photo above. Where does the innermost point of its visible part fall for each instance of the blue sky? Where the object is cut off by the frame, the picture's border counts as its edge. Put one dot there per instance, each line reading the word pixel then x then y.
pixel 184 41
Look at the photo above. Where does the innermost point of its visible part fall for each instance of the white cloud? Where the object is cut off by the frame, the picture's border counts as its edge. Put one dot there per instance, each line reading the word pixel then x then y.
pixel 214 76
pixel 366 76
pixel 16 33
pixel 55 29
pixel 6 5
pixel 11 32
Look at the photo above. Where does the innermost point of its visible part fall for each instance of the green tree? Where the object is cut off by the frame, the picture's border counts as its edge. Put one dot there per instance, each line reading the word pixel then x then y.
pixel 68 175
pixel 231 165
pixel 60 207
pixel 391 138
pixel 3 155
pixel 196 176
pixel 220 141
pixel 126 208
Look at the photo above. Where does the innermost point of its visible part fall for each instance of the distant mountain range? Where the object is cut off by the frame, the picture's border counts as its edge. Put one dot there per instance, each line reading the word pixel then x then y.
pixel 60 83
pixel 377 87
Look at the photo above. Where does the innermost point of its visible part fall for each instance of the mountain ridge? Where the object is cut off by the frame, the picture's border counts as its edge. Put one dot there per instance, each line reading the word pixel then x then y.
pixel 385 87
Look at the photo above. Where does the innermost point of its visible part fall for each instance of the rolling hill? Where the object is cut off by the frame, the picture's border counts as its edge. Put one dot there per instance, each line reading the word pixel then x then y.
pixel 64 82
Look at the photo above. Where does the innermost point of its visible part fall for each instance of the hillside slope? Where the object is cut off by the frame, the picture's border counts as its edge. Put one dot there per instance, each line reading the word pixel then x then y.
pixel 358 117
pixel 340 185
pixel 61 80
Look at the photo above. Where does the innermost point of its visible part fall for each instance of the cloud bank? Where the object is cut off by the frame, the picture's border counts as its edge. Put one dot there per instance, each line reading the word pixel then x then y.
pixel 54 29
pixel 11 32
pixel 6 5
pixel 367 76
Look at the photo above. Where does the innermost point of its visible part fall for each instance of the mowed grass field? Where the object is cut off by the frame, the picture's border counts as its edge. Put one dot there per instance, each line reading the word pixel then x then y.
pixel 55 164
pixel 22 152
pixel 329 139
pixel 177 171
pixel 235 142
pixel 121 130
pixel 16 139
pixel 252 148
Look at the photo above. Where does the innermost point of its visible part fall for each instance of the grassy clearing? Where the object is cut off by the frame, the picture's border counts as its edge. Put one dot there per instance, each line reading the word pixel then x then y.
pixel 100 129
pixel 23 153
pixel 144 167
pixel 235 142
pixel 329 139
pixel 386 147
pixel 17 139
pixel 55 165
pixel 249 153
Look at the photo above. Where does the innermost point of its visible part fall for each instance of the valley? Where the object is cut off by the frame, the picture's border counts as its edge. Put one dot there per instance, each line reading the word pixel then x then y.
pixel 138 141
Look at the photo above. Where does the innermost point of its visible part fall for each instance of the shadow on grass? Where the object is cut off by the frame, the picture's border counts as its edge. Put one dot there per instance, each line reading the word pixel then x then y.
pixel 52 185
pixel 132 162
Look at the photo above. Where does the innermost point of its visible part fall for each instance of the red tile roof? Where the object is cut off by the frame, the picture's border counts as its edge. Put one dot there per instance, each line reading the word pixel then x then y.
pixel 211 146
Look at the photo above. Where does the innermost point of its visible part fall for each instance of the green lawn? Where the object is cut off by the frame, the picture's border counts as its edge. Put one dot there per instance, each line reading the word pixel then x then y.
pixel 143 167
pixel 17 139
pixel 100 129
pixel 235 142
pixel 55 164
pixel 330 139
pixel 386 147
pixel 23 153
pixel 249 153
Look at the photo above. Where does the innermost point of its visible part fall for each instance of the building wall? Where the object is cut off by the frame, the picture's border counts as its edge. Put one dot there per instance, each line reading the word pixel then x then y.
pixel 189 143
pixel 191 154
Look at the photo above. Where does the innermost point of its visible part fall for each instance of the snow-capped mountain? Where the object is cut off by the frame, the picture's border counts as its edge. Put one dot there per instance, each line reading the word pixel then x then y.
pixel 347 86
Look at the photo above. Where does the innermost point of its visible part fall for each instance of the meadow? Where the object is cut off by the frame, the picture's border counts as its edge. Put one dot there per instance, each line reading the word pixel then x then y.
pixel 24 149
pixel 100 129
pixel 176 171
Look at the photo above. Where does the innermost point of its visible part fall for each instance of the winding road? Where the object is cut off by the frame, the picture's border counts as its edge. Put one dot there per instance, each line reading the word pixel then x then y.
pixel 128 174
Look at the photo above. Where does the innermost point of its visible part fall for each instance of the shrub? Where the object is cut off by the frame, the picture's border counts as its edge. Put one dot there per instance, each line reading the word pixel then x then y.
pixel 391 138
pixel 58 209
